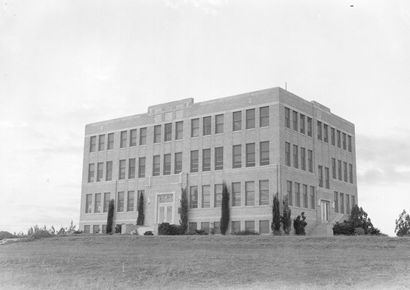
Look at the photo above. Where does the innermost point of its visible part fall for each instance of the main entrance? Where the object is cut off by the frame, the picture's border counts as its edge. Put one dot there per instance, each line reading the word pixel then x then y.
pixel 324 209
pixel 165 208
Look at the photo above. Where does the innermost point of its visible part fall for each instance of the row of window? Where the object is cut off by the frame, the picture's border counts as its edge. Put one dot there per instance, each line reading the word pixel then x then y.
pixel 300 195
pixel 326 184
pixel 97 205
pixel 296 157
pixel 303 124
pixel 344 202
pixel 178 129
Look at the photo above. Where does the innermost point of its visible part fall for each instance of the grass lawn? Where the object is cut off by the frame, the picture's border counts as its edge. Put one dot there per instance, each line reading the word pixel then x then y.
pixel 124 262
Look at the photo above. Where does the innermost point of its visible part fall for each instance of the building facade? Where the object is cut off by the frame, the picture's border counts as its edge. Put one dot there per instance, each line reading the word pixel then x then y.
pixel 259 144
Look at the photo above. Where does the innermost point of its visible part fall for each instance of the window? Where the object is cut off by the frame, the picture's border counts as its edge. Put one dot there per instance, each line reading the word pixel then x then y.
pixel 97 203
pixel 93 141
pixel 91 172
pixel 250 118
pixel 218 195
pixel 344 141
pixel 108 171
pixel 193 197
pixel 133 137
pixel 289 192
pixel 156 165
pixel 237 121
pixel 336 198
pixel 287 117
pixel 110 142
pixel 349 138
pixel 351 173
pixel 143 136
pixel 219 123
pixel 87 229
pixel 302 123
pixel 236 227
pixel 236 194
pixel 347 204
pixel 195 127
pixel 264 227
pixel 305 196
pixel 327 183
pixel 263 116
pixel 206 196
pixel 178 163
pixel 250 226
pixel 121 169
pixel 297 193
pixel 312 197
pixel 206 125
pixel 141 167
pixel 263 192
pixel 250 193
pixel 96 229
pixel 120 203
pixel 131 168
pixel 339 167
pixel 157 133
pixel 167 132
pixel 295 156
pixel 325 133
pixel 100 171
pixel 179 130
pixel 236 156
pixel 309 127
pixel 250 155
pixel 295 120
pixel 338 139
pixel 101 142
pixel 345 171
pixel 167 164
pixel 310 160
pixel 320 172
pixel 303 158
pixel 264 153
pixel 332 136
pixel 287 153
pixel 130 201
pixel 123 141
pixel 88 203
pixel 342 203
pixel 219 158
pixel 205 227
pixel 334 168
pixel 192 227
pixel 206 159
pixel 319 130
pixel 194 161
pixel 106 201
pixel 104 229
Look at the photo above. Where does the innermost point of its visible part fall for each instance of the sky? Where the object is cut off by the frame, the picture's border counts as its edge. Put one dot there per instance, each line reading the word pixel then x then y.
pixel 64 64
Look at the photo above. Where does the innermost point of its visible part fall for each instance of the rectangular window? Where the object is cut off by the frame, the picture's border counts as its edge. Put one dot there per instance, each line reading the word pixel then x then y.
pixel 236 227
pixel 219 158
pixel 121 169
pixel 264 153
pixel 108 170
pixel 263 192
pixel 87 229
pixel 219 123
pixel 351 173
pixel 156 165
pixel 205 227
pixel 96 229
pixel 93 141
pixel 342 203
pixel 319 130
pixel 334 168
pixel 106 201
pixel 167 132
pixel 250 155
pixel 309 127
pixel 192 227
pixel 310 160
pixel 97 203
pixel 88 203
pixel 339 169
pixel 133 137
pixel 130 201
pixel 289 192
pixel 131 168
pixel 327 182
pixel 218 195
pixel 312 197
pixel 325 133
pixel 344 141
pixel 120 203
pixel 347 204
pixel 303 158
pixel 332 136
pixel 297 193
pixel 141 167
pixel 237 121
pixel 295 156
pixel 193 197
pixel 206 159
pixel 305 196
pixel 250 226
pixel 250 193
pixel 157 133
pixel 320 172
pixel 302 123
pixel 250 118
pixel 206 125
pixel 179 130
pixel 195 127
pixel 287 118
pixel 100 171
pixel 143 136
pixel 236 156
pixel 264 227
pixel 91 172
pixel 264 116
pixel 287 153
pixel 336 198
pixel 194 161
pixel 123 141
pixel 345 171
pixel 295 120
pixel 167 164
pixel 110 141
pixel 338 139
pixel 101 142
pixel 178 163
pixel 236 194
pixel 206 196
pixel 349 138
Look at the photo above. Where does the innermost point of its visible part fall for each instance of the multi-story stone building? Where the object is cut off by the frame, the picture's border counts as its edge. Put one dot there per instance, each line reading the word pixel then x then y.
pixel 259 143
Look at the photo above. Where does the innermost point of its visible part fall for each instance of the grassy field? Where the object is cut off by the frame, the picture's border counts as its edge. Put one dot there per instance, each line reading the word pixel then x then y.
pixel 123 262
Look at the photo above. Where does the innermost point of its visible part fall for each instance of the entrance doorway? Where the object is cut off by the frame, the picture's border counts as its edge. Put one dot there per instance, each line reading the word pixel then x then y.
pixel 165 212
pixel 324 209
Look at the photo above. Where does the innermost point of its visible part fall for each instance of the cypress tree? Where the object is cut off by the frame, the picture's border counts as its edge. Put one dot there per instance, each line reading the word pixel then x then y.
pixel 275 226
pixel 286 220
pixel 110 216
pixel 184 211
pixel 140 219
pixel 224 210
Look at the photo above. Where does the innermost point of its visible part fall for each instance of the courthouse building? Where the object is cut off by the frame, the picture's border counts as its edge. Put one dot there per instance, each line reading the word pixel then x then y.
pixel 259 144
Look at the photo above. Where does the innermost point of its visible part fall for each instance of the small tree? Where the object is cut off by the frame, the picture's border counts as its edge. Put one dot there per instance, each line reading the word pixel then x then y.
pixel 358 223
pixel 184 211
pixel 275 226
pixel 224 210
pixel 299 224
pixel 141 216
pixel 403 225
pixel 286 220
pixel 110 216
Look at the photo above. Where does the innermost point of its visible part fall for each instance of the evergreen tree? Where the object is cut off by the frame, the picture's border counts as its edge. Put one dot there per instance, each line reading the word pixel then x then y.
pixel 275 226
pixel 225 216
pixel 184 211
pixel 110 216
pixel 403 225
pixel 140 218
pixel 286 219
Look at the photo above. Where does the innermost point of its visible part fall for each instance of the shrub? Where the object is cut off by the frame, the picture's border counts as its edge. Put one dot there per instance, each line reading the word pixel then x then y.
pixel 184 210
pixel 358 219
pixel 118 229
pixel 225 215
pixel 286 219
pixel 344 228
pixel 148 233
pixel 110 217
pixel 169 229
pixel 359 231
pixel 299 224
pixel 41 234
pixel 246 233
pixel 403 225
pixel 6 235
pixel 141 216
pixel 275 226
pixel 198 232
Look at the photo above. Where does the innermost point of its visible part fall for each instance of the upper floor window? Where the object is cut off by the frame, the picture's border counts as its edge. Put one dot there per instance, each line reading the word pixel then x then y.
pixel 101 142
pixel 195 127
pixel 344 141
pixel 156 165
pixel 250 118
pixel 91 172
pixel 309 127
pixel 206 196
pixel 107 197
pixel 339 169
pixel 319 130
pixel 179 130
pixel 325 133
pixel 93 142
pixel 108 171
pixel 305 196
pixel 264 116
pixel 287 153
pixel 236 156
pixel 289 192
pixel 295 120
pixel 110 141
pixel 264 153
pixel 295 156
pixel 338 139
pixel 334 168
pixel 250 155
pixel 332 136
pixel 121 169
pixel 345 171
pixel 100 171
pixel 178 163
pixel 168 132
pixel 287 117
pixel 237 121
pixel 123 141
pixel 141 167
pixel 303 158
pixel 250 193
pixel 167 164
pixel 219 158
pixel 193 197
pixel 349 143
pixel 263 192
pixel 143 136
pixel 336 199
pixel 157 133
pixel 194 161
pixel 88 203
pixel 130 200
pixel 236 194
pixel 302 123
pixel 206 159
pixel 218 194
pixel 207 125
pixel 219 123
pixel 310 160
pixel 120 202
pixel 327 181
pixel 320 172
pixel 351 173
pixel 133 137
pixel 312 197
